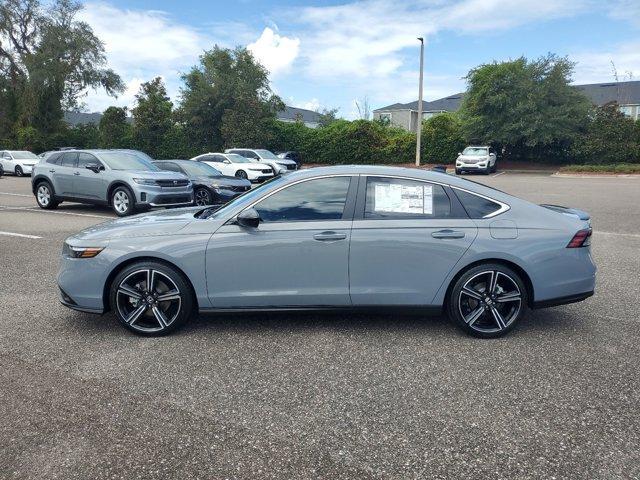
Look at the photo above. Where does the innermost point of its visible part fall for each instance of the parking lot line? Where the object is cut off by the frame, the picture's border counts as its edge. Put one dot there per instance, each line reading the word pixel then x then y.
pixel 21 235
pixel 16 194
pixel 39 210
pixel 498 174
pixel 618 234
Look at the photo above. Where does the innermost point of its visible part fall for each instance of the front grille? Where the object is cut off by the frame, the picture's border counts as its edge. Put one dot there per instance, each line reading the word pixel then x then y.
pixel 168 199
pixel 173 183
pixel 291 167
pixel 267 171
pixel 240 188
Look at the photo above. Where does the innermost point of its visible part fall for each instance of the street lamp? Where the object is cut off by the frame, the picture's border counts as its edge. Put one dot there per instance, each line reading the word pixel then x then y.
pixel 419 132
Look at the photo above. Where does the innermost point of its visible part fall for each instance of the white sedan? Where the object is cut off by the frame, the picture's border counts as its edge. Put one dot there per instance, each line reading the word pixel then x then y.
pixel 237 166
pixel 18 162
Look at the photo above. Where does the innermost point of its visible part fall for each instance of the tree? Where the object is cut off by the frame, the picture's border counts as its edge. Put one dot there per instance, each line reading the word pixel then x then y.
pixel 442 138
pixel 152 117
pixel 48 60
pixel 526 106
pixel 327 116
pixel 611 137
pixel 227 99
pixel 115 132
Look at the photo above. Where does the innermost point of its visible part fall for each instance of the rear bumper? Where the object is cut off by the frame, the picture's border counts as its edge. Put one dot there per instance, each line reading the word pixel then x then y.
pixel 554 302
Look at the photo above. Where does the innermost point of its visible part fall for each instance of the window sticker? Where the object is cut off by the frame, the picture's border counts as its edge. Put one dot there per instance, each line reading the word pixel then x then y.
pixel 397 198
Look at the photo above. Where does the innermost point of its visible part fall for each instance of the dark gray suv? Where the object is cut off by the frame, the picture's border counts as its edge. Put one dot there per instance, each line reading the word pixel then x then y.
pixel 123 179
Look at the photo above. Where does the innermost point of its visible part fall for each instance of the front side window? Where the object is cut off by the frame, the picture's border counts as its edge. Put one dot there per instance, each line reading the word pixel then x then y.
pixel 477 207
pixel 313 200
pixel 22 155
pixel 235 158
pixel 398 198
pixel 85 159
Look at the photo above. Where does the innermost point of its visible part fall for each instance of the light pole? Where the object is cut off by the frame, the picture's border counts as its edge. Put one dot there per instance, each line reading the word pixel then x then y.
pixel 419 132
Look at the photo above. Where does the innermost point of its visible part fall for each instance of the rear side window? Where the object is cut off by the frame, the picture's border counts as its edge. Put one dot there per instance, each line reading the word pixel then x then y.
pixel 396 198
pixel 69 159
pixel 55 158
pixel 477 207
pixel 313 200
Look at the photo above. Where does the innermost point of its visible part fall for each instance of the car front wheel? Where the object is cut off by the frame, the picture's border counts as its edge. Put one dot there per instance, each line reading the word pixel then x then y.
pixel 18 171
pixel 44 196
pixel 202 197
pixel 241 174
pixel 487 301
pixel 151 298
pixel 122 201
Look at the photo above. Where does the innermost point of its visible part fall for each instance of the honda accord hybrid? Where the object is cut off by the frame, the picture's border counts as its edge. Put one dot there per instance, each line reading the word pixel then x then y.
pixel 343 237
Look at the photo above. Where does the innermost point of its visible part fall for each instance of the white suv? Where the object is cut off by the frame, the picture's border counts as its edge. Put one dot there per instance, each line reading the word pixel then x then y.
pixel 476 159
pixel 279 165
pixel 18 162
pixel 237 166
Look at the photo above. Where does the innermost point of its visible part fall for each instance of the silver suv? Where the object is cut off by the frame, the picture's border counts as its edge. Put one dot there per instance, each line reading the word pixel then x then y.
pixel 123 179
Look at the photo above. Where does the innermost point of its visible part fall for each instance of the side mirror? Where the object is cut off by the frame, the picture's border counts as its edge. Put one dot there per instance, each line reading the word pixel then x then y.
pixel 226 161
pixel 459 153
pixel 94 167
pixel 248 218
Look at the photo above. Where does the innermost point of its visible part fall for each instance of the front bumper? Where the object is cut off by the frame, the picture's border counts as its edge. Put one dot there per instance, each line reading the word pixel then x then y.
pixel 80 283
pixel 471 166
pixel 163 196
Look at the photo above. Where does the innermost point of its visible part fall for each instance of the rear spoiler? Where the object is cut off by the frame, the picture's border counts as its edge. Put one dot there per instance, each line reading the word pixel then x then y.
pixel 581 214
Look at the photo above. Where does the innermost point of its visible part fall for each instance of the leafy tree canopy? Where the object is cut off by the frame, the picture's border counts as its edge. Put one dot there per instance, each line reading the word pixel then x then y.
pixel 152 117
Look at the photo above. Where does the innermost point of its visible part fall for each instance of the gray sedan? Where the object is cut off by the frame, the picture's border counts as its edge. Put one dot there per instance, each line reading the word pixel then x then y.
pixel 337 237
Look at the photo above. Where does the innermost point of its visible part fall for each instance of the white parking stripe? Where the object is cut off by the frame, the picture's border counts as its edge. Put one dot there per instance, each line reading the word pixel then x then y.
pixel 498 174
pixel 21 235
pixel 39 210
pixel 16 194
pixel 618 234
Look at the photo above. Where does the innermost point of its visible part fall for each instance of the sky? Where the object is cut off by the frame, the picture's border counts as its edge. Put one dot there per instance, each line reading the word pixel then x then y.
pixel 332 54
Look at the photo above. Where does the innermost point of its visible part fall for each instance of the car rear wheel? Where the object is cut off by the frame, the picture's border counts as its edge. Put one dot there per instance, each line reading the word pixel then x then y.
pixel 241 174
pixel 487 301
pixel 202 197
pixel 151 298
pixel 45 197
pixel 18 171
pixel 122 201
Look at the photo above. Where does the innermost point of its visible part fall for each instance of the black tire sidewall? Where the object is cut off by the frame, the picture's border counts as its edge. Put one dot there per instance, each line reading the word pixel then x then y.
pixel 187 307
pixel 195 195
pixel 452 300
pixel 19 169
pixel 241 174
pixel 132 202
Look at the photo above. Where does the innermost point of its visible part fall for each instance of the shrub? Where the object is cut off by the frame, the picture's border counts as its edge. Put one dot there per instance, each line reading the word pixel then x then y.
pixel 441 138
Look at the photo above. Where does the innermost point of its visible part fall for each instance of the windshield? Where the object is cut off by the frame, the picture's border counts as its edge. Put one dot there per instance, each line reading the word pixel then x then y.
pixel 241 200
pixel 266 154
pixel 127 161
pixel 475 151
pixel 197 169
pixel 24 156
pixel 235 158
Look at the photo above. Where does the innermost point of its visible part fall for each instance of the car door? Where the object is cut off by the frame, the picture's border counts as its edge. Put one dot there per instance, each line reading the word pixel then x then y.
pixel 87 183
pixel 407 235
pixel 297 256
pixel 63 174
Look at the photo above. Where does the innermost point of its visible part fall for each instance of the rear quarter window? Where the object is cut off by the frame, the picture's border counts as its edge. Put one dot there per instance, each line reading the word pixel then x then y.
pixel 476 206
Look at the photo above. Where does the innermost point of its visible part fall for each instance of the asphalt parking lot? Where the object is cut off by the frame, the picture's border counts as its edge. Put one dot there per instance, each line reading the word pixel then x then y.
pixel 321 395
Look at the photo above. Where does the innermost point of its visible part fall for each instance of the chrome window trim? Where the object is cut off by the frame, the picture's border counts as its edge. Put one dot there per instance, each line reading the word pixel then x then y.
pixel 503 206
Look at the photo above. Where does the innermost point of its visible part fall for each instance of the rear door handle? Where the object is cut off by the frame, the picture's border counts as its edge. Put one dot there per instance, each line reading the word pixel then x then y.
pixel 448 234
pixel 329 236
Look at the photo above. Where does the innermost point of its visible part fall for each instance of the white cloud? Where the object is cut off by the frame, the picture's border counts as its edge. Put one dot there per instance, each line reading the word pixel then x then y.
pixel 275 52
pixel 596 66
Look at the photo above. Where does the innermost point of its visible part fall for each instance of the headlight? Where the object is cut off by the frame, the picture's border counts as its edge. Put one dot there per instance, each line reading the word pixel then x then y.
pixel 144 181
pixel 80 252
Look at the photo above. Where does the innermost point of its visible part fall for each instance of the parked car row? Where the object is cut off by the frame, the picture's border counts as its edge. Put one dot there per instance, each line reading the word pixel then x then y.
pixel 18 162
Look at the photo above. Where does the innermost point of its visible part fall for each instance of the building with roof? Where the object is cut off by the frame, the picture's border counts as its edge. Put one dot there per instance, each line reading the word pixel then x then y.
pixel 289 114
pixel 405 115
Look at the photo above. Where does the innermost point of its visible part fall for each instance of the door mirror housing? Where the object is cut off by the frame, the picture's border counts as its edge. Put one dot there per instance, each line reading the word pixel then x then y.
pixel 226 161
pixel 94 167
pixel 248 218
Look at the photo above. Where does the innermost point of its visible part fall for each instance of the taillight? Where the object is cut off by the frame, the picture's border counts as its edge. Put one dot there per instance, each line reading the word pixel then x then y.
pixel 581 239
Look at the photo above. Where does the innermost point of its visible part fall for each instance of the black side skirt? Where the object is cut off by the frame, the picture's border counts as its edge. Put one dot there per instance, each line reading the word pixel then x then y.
pixel 554 302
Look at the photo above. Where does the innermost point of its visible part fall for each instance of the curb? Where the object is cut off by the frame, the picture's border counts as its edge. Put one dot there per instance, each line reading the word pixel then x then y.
pixel 596 175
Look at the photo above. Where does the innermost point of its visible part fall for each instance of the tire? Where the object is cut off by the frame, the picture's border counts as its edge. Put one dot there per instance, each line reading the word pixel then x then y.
pixel 144 312
pixel 487 316
pixel 202 197
pixel 494 169
pixel 123 202
pixel 487 170
pixel 18 171
pixel 458 172
pixel 45 197
pixel 241 174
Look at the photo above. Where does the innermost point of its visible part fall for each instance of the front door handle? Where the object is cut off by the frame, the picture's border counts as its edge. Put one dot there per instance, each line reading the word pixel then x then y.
pixel 76 173
pixel 448 234
pixel 329 236
pixel 52 171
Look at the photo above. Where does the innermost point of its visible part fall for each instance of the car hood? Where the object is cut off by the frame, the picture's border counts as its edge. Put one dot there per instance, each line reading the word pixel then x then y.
pixel 284 161
pixel 29 163
pixel 472 158
pixel 162 222
pixel 223 180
